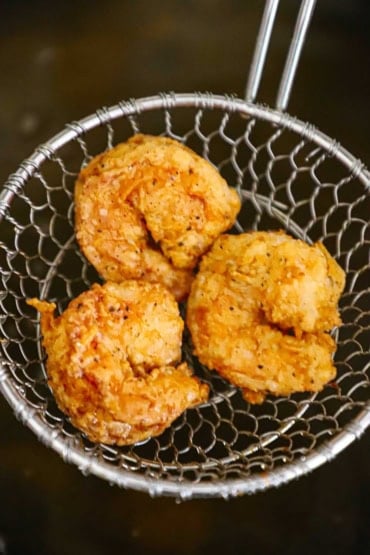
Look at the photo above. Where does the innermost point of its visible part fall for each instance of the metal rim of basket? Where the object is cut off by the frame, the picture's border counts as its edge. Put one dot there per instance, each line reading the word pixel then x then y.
pixel 118 476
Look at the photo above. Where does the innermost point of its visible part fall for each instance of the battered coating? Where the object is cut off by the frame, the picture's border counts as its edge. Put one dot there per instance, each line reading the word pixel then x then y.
pixel 112 361
pixel 148 209
pixel 258 311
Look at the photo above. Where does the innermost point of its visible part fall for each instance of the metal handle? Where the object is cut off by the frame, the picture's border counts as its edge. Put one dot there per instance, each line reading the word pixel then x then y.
pixel 262 44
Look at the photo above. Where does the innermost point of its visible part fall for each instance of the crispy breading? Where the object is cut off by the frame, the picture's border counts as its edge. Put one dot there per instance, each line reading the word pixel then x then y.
pixel 112 361
pixel 148 209
pixel 299 284
pixel 258 311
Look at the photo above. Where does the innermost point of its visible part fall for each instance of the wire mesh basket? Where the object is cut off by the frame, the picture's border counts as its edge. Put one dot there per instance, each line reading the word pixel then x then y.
pixel 289 176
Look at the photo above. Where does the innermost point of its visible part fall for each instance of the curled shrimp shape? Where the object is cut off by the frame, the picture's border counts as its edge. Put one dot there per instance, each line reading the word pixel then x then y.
pixel 148 209
pixel 113 361
pixel 259 311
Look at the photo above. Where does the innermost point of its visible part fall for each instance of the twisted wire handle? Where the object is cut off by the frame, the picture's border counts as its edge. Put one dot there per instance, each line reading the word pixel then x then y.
pixel 295 49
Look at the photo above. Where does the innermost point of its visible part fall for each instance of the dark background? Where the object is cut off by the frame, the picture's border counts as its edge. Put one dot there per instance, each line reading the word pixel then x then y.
pixel 59 61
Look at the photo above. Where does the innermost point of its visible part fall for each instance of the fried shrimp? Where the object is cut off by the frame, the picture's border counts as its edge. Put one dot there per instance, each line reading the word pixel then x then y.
pixel 112 361
pixel 148 209
pixel 258 311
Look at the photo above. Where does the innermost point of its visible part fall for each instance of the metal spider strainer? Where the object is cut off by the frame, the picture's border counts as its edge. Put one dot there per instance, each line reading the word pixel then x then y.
pixel 290 176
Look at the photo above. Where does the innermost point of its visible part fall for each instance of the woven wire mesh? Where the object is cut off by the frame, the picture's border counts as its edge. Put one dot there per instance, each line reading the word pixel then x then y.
pixel 289 176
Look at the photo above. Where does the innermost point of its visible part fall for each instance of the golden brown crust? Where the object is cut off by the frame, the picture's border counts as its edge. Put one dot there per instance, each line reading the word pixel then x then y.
pixel 258 311
pixel 112 361
pixel 148 209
